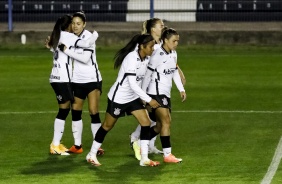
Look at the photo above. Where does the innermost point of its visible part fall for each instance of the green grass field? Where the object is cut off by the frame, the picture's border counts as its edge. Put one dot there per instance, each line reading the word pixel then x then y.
pixel 226 132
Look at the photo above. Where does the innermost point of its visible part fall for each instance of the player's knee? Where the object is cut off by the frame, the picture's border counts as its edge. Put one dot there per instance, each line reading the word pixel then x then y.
pixel 63 113
pixel 95 118
pixel 76 115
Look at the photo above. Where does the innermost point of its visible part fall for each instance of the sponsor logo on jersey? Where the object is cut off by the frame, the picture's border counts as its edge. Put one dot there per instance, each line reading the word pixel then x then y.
pixel 168 71
pixel 117 111
pixel 55 77
pixel 164 101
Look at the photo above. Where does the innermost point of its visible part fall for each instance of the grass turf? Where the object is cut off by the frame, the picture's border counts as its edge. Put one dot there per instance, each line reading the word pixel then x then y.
pixel 226 132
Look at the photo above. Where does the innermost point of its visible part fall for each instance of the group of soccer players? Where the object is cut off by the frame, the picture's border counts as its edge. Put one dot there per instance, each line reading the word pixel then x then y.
pixel 147 65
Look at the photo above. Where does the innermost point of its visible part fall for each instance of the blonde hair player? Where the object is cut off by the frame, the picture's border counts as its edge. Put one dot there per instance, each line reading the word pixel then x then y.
pixel 154 27
pixel 162 69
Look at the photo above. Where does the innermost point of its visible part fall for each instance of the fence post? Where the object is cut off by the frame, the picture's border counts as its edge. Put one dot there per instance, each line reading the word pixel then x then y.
pixel 10 16
pixel 151 8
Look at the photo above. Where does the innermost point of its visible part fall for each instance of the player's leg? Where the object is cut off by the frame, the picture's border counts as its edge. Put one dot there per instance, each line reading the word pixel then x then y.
pixel 93 106
pixel 63 94
pixel 155 126
pixel 144 121
pixel 77 125
pixel 163 115
pixel 107 125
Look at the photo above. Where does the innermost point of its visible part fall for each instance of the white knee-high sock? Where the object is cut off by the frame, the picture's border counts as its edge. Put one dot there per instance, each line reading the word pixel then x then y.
pixel 59 126
pixel 144 149
pixel 167 151
pixel 136 134
pixel 94 128
pixel 95 146
pixel 77 127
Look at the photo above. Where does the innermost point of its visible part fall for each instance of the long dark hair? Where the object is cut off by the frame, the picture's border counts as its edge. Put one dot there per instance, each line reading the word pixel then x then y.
pixel 81 15
pixel 140 39
pixel 61 25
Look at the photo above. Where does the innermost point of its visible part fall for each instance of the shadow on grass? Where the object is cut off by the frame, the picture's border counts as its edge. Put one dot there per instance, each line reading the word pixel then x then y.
pixel 125 173
pixel 54 164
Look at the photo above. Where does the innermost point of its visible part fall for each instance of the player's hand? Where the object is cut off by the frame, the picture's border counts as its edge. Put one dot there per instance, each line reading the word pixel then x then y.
pixel 62 47
pixel 95 33
pixel 148 108
pixel 183 96
pixel 47 40
pixel 154 104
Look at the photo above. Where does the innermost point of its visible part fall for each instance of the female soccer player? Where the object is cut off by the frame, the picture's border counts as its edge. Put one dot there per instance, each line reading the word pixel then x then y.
pixel 162 69
pixel 86 83
pixel 154 27
pixel 124 96
pixel 61 75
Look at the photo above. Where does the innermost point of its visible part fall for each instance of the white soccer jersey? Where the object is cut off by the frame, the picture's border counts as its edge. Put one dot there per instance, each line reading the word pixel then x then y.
pixel 128 84
pixel 162 68
pixel 62 65
pixel 84 72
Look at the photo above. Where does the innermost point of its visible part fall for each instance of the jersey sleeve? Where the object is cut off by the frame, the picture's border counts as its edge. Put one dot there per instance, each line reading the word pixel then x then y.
pixel 137 89
pixel 82 55
pixel 69 39
pixel 177 81
pixel 147 79
pixel 130 66
pixel 89 42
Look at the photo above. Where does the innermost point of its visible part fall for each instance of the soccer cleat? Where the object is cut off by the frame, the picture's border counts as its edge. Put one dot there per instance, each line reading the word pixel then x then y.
pixel 76 149
pixel 55 150
pixel 137 150
pixel 100 152
pixel 149 163
pixel 92 159
pixel 154 150
pixel 63 148
pixel 172 159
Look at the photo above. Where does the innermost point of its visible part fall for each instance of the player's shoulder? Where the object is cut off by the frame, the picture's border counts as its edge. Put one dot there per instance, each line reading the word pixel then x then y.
pixel 65 34
pixel 132 57
pixel 85 34
pixel 158 52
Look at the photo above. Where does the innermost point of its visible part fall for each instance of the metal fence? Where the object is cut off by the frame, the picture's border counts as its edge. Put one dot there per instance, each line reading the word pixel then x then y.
pixel 139 10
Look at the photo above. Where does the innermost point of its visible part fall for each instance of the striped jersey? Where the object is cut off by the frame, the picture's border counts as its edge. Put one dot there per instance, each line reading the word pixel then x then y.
pixel 127 86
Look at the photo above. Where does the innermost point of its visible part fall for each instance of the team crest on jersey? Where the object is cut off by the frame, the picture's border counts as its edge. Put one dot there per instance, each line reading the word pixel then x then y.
pixel 83 36
pixel 165 102
pixel 59 97
pixel 117 111
pixel 138 59
pixel 161 53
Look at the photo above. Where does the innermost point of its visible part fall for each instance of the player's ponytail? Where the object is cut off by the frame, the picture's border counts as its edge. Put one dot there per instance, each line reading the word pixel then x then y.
pixel 144 27
pixel 62 24
pixel 140 39
pixel 167 33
